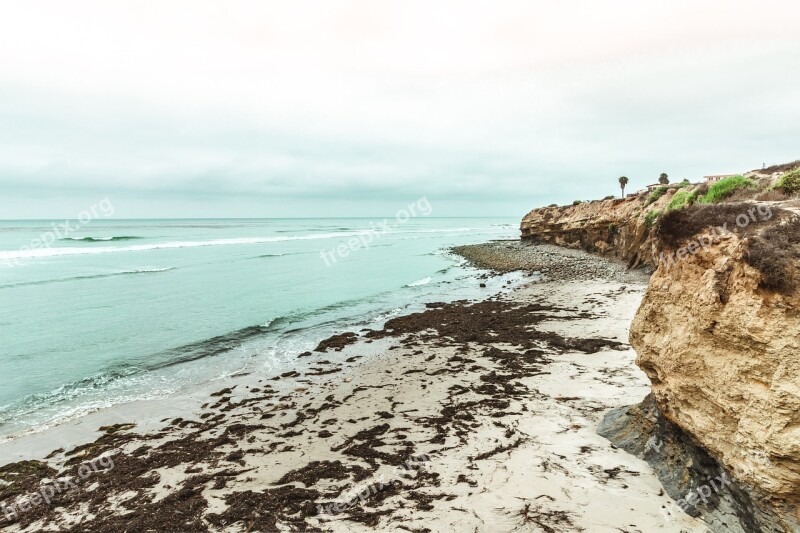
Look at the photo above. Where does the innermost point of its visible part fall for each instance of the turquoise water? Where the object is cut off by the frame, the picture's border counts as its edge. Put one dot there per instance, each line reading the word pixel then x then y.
pixel 118 310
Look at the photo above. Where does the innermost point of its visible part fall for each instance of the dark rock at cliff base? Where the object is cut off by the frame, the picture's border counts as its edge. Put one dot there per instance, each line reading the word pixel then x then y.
pixel 697 482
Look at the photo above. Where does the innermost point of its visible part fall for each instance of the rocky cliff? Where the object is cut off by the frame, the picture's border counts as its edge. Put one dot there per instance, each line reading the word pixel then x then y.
pixel 723 355
pixel 610 227
pixel 718 334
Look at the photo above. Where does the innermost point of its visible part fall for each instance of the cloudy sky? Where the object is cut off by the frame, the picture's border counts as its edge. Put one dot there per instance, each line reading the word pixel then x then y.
pixel 355 108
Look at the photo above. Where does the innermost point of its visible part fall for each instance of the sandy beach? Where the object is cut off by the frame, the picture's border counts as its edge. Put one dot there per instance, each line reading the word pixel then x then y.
pixel 474 416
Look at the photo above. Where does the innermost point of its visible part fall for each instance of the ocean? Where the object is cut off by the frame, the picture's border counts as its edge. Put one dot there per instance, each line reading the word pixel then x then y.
pixel 109 311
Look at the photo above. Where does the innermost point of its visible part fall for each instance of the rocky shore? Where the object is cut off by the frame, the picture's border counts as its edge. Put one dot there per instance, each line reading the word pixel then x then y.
pixel 553 262
pixel 473 416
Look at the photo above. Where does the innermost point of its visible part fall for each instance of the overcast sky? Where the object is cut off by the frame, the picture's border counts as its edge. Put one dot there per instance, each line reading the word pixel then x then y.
pixel 355 108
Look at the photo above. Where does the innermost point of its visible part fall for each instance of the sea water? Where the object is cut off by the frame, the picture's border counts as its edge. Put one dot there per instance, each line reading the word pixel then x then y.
pixel 120 310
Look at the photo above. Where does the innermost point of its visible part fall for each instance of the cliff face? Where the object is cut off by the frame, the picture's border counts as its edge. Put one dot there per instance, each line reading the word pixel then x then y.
pixel 609 227
pixel 723 355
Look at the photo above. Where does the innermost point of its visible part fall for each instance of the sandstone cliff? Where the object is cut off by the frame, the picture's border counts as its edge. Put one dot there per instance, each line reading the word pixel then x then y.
pixel 718 334
pixel 610 227
pixel 723 356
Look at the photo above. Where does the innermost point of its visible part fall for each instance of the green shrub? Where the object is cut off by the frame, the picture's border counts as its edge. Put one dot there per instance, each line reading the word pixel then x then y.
pixel 656 194
pixel 651 217
pixel 577 202
pixel 680 200
pixel 790 182
pixel 680 185
pixel 726 187
pixel 610 197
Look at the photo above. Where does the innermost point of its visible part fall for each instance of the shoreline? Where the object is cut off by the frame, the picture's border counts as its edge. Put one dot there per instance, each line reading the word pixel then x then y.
pixel 474 416
pixel 75 429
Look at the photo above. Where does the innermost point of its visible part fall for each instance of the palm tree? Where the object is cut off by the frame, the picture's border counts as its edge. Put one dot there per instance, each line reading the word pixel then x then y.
pixel 663 179
pixel 623 181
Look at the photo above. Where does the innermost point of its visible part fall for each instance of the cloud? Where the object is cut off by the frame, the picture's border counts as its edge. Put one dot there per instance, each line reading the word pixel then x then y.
pixel 478 103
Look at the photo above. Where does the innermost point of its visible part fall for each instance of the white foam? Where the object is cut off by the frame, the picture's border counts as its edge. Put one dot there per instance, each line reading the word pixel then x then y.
pixel 423 281
pixel 53 252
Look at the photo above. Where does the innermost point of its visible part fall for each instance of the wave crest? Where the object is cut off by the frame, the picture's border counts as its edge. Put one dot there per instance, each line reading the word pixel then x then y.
pixel 102 239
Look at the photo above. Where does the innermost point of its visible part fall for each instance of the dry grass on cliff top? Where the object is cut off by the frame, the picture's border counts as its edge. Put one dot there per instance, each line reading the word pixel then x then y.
pixel 775 253
pixel 786 167
pixel 773 245
pixel 680 225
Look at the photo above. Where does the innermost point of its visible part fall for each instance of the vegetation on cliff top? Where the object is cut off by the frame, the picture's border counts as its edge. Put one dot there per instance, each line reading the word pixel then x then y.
pixel 681 200
pixel 656 194
pixel 790 182
pixel 662 190
pixel 784 167
pixel 775 253
pixel 732 189
pixel 725 188
pixel 678 226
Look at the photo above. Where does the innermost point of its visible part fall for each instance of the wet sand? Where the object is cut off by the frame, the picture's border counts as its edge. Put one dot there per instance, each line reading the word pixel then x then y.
pixel 473 416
